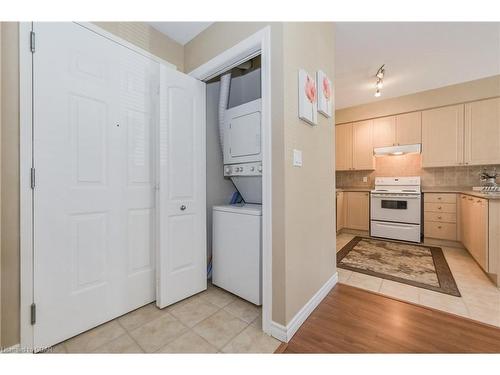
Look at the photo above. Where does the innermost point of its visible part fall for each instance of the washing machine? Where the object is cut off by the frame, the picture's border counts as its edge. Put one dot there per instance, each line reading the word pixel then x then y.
pixel 237 250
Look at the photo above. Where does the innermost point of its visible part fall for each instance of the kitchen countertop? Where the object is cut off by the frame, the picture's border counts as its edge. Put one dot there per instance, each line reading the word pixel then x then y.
pixel 339 189
pixel 467 190
pixel 435 189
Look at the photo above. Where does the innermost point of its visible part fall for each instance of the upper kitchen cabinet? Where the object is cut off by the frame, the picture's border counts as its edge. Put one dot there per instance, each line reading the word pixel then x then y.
pixel 343 147
pixel 384 131
pixel 409 128
pixel 405 129
pixel 442 136
pixel 482 132
pixel 362 145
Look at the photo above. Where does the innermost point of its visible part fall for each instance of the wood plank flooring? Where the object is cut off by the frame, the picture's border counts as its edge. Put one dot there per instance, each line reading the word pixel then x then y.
pixel 352 320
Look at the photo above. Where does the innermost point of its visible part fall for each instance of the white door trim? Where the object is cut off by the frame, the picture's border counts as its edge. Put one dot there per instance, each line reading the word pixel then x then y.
pixel 258 43
pixel 26 162
pixel 25 191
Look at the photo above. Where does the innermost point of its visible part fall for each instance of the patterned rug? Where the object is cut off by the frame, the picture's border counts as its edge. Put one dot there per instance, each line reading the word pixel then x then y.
pixel 417 265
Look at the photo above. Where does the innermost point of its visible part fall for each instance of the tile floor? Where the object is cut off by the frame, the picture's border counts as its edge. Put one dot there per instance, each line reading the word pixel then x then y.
pixel 213 321
pixel 480 298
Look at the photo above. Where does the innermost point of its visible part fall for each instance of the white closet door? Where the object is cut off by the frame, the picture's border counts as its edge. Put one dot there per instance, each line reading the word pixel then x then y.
pixel 181 251
pixel 93 202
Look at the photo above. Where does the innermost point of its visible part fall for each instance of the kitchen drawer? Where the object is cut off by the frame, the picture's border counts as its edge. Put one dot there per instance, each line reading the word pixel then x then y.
pixel 441 217
pixel 440 197
pixel 443 231
pixel 440 207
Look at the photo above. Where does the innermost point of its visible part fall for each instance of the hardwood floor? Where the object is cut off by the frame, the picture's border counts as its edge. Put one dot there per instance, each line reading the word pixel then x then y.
pixel 351 320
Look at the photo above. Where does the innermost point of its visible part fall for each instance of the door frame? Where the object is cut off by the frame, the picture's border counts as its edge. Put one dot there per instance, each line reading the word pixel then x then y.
pixel 258 43
pixel 26 161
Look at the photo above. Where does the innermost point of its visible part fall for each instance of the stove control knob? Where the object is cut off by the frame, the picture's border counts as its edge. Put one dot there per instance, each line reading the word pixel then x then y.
pixel 252 169
pixel 259 168
pixel 227 170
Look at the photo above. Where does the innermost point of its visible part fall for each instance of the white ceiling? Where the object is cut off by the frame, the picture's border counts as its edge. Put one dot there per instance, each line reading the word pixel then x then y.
pixel 418 57
pixel 181 32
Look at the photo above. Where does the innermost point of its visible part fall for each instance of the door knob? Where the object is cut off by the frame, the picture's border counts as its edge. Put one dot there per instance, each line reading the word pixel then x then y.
pixel 183 207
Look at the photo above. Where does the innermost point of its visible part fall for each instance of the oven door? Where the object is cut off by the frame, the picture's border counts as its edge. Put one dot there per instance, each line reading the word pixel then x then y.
pixel 398 208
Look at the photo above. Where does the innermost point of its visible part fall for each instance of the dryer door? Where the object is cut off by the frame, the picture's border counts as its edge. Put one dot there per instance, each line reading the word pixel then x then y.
pixel 242 133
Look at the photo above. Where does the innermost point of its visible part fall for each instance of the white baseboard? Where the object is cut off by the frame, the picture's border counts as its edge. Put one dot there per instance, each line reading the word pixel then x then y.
pixel 283 333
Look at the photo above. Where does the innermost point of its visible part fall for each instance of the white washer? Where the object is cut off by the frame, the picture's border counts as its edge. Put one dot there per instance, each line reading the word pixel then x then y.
pixel 237 250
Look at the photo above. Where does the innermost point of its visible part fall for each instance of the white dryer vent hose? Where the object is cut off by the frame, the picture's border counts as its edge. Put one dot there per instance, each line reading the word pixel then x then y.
pixel 225 83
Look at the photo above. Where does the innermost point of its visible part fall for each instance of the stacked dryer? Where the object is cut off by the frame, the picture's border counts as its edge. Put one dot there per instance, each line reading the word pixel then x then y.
pixel 236 252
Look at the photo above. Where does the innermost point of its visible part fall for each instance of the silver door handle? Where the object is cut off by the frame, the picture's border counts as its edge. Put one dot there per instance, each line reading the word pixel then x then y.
pixel 183 207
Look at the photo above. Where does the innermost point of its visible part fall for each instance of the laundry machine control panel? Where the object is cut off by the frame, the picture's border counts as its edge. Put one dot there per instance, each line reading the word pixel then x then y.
pixel 243 169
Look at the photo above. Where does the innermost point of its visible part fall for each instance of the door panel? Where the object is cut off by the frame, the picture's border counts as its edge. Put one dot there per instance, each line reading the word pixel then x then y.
pixel 442 136
pixel 93 215
pixel 362 154
pixel 343 147
pixel 181 248
pixel 409 128
pixel 384 132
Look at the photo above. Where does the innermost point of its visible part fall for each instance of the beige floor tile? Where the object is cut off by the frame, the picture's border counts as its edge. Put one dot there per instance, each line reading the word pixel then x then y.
pixel 122 344
pixel 190 342
pixel 91 340
pixel 158 333
pixel 218 296
pixel 136 318
pixel 400 291
pixel 193 311
pixel 220 328
pixel 252 340
pixel 363 281
pixel 484 314
pixel 444 302
pixel 257 322
pixel 343 275
pixel 244 310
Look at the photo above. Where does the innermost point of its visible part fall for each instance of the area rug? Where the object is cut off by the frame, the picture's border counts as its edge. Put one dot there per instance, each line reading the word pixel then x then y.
pixel 417 265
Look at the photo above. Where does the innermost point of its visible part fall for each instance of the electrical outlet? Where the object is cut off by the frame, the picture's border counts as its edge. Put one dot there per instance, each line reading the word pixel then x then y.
pixel 297 158
pixel 365 179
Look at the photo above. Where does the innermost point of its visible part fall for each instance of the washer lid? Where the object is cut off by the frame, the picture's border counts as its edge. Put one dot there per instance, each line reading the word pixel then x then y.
pixel 244 209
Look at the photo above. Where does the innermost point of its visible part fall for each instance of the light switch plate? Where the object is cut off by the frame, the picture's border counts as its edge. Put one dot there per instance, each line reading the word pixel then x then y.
pixel 297 158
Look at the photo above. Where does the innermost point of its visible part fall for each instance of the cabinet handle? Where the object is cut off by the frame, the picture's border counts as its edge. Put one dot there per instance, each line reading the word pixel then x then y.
pixel 439 217
pixel 183 207
pixel 440 208
pixel 439 198
pixel 471 199
pixel 439 226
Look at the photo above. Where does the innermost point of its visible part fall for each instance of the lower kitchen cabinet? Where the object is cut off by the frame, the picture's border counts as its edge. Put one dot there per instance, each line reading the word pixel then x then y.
pixel 357 206
pixel 340 210
pixel 473 227
pixel 440 218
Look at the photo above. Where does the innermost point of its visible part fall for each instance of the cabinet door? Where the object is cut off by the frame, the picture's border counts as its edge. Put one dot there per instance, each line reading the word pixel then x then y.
pixel 362 154
pixel 442 136
pixel 343 147
pixel 340 211
pixel 479 228
pixel 409 128
pixel 357 207
pixel 482 132
pixel 384 132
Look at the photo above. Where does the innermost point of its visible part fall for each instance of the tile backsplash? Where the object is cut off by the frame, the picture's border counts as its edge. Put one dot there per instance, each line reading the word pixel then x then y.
pixel 411 165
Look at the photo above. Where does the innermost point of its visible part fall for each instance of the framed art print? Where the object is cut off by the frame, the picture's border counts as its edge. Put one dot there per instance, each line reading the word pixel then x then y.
pixel 308 95
pixel 325 97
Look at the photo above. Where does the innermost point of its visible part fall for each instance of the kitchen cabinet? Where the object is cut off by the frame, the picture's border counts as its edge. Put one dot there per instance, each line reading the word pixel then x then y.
pixel 473 228
pixel 402 129
pixel 440 218
pixel 409 128
pixel 482 132
pixel 357 208
pixel 384 131
pixel 362 145
pixel 354 146
pixel 343 147
pixel 442 136
pixel 340 210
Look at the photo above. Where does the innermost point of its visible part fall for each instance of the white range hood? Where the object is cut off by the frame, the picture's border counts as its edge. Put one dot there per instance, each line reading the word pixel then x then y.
pixel 398 150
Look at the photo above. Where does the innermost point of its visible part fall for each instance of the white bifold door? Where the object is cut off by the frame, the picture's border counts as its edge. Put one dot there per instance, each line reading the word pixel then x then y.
pixel 112 178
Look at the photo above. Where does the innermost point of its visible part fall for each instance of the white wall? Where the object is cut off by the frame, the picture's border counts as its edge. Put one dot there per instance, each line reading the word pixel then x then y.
pixel 219 189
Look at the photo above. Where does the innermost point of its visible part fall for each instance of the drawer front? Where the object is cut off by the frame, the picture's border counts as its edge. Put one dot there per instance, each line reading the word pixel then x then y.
pixel 440 207
pixel 443 231
pixel 440 197
pixel 441 217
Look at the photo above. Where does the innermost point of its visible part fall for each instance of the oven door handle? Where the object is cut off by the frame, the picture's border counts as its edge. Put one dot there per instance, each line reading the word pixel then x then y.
pixel 396 197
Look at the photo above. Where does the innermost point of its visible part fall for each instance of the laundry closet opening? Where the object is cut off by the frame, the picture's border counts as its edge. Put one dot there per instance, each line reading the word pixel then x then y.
pixel 234 180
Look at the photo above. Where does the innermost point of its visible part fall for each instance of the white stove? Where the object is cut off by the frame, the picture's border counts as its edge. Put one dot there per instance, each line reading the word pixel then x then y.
pixel 396 208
